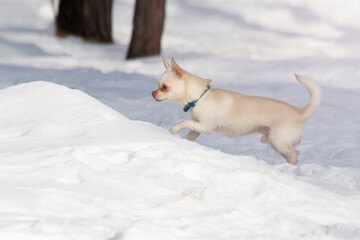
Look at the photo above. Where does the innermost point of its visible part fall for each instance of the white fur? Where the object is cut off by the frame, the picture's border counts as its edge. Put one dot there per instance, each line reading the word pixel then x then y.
pixel 233 114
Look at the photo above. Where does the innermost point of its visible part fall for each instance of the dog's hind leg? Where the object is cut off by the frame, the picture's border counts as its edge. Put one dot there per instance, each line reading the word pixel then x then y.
pixel 265 131
pixel 283 141
pixel 192 135
pixel 288 152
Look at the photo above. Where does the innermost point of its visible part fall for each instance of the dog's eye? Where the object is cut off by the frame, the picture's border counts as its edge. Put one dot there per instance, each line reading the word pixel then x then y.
pixel 164 88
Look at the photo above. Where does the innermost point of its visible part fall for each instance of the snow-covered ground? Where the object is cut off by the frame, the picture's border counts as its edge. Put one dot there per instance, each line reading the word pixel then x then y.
pixel 100 164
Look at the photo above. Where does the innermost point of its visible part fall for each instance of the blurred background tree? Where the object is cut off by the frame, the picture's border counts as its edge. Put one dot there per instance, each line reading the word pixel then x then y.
pixel 148 26
pixel 90 19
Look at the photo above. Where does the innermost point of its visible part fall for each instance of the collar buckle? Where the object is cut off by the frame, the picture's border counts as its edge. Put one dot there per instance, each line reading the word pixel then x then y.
pixel 193 103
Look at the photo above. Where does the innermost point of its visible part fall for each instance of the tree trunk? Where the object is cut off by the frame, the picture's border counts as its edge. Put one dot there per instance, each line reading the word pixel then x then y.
pixel 90 19
pixel 148 27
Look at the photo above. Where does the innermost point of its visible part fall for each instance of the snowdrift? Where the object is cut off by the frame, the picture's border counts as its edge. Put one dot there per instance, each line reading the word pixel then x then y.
pixel 72 168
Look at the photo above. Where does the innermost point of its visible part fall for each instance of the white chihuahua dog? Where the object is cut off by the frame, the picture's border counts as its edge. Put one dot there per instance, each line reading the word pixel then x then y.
pixel 233 114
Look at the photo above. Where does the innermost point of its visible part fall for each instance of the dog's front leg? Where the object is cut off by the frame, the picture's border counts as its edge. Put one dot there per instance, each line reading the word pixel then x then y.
pixel 192 135
pixel 192 125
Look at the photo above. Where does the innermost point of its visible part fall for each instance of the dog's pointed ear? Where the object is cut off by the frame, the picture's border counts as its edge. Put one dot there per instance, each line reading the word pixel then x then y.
pixel 166 64
pixel 175 68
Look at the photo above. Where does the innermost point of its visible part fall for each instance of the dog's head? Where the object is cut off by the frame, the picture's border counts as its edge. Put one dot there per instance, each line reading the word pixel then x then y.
pixel 178 86
pixel 171 85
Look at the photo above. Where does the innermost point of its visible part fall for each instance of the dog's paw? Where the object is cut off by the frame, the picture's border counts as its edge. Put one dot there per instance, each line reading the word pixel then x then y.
pixel 175 129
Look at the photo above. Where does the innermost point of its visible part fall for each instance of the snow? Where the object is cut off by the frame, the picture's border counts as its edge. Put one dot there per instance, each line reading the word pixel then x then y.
pixel 85 151
pixel 74 168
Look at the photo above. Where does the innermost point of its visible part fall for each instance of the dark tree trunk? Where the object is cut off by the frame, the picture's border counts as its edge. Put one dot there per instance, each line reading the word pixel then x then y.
pixel 148 27
pixel 90 19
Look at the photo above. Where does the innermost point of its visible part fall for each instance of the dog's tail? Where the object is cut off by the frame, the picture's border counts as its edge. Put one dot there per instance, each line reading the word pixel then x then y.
pixel 315 96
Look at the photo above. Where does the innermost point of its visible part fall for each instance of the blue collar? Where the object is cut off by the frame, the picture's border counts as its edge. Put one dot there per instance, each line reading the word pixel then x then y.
pixel 193 103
